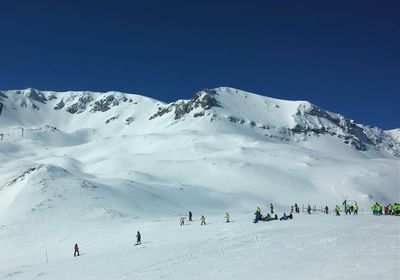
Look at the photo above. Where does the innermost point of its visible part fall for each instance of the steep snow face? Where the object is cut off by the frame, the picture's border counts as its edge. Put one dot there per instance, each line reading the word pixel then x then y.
pixel 71 111
pixel 277 119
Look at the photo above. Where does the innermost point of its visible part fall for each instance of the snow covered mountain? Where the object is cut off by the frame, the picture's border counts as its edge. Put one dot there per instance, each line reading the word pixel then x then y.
pixel 224 148
pixel 92 166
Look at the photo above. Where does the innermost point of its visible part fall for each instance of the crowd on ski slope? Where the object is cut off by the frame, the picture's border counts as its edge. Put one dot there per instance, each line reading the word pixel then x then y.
pixel 349 209
pixel 387 210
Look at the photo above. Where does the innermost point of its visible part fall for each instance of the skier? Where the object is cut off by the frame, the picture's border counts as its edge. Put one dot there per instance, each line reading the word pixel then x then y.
pixel 284 217
pixel 345 204
pixel 386 210
pixel 291 209
pixel 138 238
pixel 190 216
pixel 326 209
pixel 355 208
pixel 203 220
pixel 348 209
pixel 227 217
pixel 272 208
pixel 258 215
pixel 76 248
pixel 182 221
pixel 337 210
pixel 309 209
pixel 296 207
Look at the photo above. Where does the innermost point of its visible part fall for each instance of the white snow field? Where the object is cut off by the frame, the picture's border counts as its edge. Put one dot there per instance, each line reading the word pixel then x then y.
pixel 93 168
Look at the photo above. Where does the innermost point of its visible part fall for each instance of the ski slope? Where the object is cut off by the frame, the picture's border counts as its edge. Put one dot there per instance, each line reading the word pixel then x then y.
pixel 315 246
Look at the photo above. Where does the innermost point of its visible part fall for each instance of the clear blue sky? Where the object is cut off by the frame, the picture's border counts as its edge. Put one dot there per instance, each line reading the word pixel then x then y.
pixel 341 55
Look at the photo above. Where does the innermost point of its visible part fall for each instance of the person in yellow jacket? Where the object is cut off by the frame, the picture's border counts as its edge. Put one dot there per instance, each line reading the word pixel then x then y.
pixel 227 217
pixel 203 220
pixel 355 208
pixel 337 210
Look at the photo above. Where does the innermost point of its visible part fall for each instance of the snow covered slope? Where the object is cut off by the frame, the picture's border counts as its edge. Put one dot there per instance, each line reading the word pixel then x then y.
pixel 113 159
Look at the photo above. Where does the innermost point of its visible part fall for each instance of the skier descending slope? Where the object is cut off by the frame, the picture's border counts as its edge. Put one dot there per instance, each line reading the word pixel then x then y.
pixel 227 217
pixel 272 208
pixel 190 216
pixel 182 221
pixel 76 250
pixel 138 238
pixel 203 220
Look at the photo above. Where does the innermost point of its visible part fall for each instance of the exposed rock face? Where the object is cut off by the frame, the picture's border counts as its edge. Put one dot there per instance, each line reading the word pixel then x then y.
pixel 59 105
pixel 106 103
pixel 312 119
pixel 80 105
pixel 200 102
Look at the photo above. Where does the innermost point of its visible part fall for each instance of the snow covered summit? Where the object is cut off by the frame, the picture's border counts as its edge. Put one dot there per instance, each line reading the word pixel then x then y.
pixel 219 110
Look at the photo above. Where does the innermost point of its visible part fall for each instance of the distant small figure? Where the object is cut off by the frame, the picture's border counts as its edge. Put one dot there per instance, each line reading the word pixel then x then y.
pixel 355 208
pixel 326 209
pixel 203 220
pixel 227 217
pixel 182 221
pixel 138 238
pixel 309 209
pixel 190 216
pixel 286 217
pixel 337 210
pixel 258 215
pixel 296 208
pixel 76 248
pixel 272 208
pixel 291 209
pixel 348 209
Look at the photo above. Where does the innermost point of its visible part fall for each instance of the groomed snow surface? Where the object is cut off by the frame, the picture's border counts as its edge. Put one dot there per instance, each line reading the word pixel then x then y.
pixel 315 246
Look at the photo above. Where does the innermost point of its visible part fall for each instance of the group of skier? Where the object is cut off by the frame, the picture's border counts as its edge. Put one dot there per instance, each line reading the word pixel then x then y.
pixel 390 209
pixel 268 217
pixel 349 209
pixel 202 219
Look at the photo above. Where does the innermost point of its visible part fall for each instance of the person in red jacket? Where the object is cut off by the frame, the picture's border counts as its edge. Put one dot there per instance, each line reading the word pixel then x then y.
pixel 76 253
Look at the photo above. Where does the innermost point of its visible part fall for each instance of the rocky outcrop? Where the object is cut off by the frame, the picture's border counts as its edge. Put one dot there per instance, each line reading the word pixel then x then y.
pixel 200 102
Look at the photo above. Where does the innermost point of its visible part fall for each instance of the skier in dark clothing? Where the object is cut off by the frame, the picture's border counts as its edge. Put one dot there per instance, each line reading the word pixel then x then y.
pixel 326 209
pixel 190 216
pixel 138 238
pixel 296 208
pixel 284 217
pixel 258 215
pixel 76 248
pixel 309 209
pixel 272 208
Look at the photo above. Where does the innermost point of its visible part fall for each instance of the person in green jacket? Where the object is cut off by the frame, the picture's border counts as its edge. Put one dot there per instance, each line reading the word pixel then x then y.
pixel 348 209
pixel 203 220
pixel 337 210
pixel 227 217
pixel 355 208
